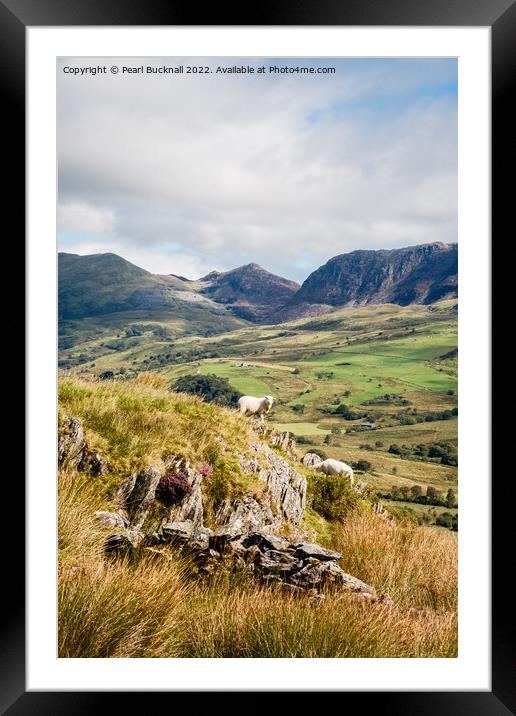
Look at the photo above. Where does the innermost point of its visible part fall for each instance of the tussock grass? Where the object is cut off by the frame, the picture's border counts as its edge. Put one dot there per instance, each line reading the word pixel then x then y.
pixel 111 608
pixel 154 607
pixel 261 622
pixel 416 566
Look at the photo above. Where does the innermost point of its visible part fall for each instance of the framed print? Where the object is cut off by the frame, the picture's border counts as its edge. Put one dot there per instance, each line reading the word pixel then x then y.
pixel 258 292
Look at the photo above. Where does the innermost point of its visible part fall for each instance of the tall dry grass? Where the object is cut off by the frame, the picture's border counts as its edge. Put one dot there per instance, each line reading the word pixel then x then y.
pixel 111 608
pixel 248 621
pixel 158 608
pixel 416 566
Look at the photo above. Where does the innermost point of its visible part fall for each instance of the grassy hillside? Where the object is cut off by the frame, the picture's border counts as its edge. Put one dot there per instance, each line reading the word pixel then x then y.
pixel 396 366
pixel 140 423
pixel 155 607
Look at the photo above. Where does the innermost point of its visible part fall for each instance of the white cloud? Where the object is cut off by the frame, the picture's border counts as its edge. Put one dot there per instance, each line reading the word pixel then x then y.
pixel 210 172
pixel 82 217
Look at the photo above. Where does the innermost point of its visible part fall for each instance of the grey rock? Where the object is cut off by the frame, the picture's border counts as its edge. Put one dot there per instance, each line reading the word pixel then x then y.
pixel 281 557
pixel 266 541
pixel 73 451
pixel 287 488
pixel 329 573
pixel 191 508
pixel 111 519
pixel 311 459
pixel 177 532
pixel 247 514
pixel 71 443
pixel 284 501
pixel 354 584
pixel 249 465
pixel 200 538
pixel 283 440
pixel 136 494
pixel 124 543
pixel 93 463
pixel 304 550
pixel 222 536
pixel 270 565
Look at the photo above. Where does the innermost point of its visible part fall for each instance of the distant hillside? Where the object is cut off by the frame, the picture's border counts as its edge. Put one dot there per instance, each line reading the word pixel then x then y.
pixel 100 285
pixel 249 291
pixel 417 274
pixel 106 283
pixel 102 294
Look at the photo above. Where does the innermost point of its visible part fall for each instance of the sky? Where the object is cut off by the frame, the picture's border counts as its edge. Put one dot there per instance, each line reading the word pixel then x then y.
pixel 189 173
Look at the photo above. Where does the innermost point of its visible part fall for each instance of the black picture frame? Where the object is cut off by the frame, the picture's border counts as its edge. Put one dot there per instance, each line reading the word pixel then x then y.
pixel 500 16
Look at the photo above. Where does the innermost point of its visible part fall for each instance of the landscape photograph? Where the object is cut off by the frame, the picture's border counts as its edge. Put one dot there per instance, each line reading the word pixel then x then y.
pixel 257 358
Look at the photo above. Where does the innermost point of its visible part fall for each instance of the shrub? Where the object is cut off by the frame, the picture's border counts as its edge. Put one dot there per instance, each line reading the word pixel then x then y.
pixel 212 388
pixel 173 487
pixel 321 453
pixel 362 465
pixel 331 496
pixel 344 411
pixel 445 520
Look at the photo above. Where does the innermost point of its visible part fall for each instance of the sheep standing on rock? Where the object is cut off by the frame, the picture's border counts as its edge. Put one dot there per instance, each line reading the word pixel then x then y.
pixel 335 467
pixel 249 405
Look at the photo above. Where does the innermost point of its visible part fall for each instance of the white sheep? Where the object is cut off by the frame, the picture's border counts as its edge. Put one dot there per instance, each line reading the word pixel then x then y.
pixel 335 467
pixel 249 405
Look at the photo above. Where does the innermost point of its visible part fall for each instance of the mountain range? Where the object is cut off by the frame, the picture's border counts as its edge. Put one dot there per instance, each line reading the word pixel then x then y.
pixel 100 284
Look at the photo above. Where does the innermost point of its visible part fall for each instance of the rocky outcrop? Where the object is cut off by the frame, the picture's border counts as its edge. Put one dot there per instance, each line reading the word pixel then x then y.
pixel 70 443
pixel 136 494
pixel 300 566
pixel 307 550
pixel 191 508
pixel 286 486
pixel 111 519
pixel 247 513
pixel 73 450
pixel 311 459
pixel 283 501
pixel 416 274
pixel 123 544
pixel 282 440
pixel 246 533
pixel 92 463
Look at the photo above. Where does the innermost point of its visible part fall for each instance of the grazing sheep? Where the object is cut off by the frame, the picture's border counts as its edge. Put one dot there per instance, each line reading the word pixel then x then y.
pixel 335 467
pixel 249 405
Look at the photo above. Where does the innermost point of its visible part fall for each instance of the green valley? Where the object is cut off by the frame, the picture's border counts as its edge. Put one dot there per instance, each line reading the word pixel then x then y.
pixel 353 382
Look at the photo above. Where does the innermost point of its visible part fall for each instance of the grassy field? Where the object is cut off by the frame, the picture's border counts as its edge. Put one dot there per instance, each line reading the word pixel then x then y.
pixel 353 356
